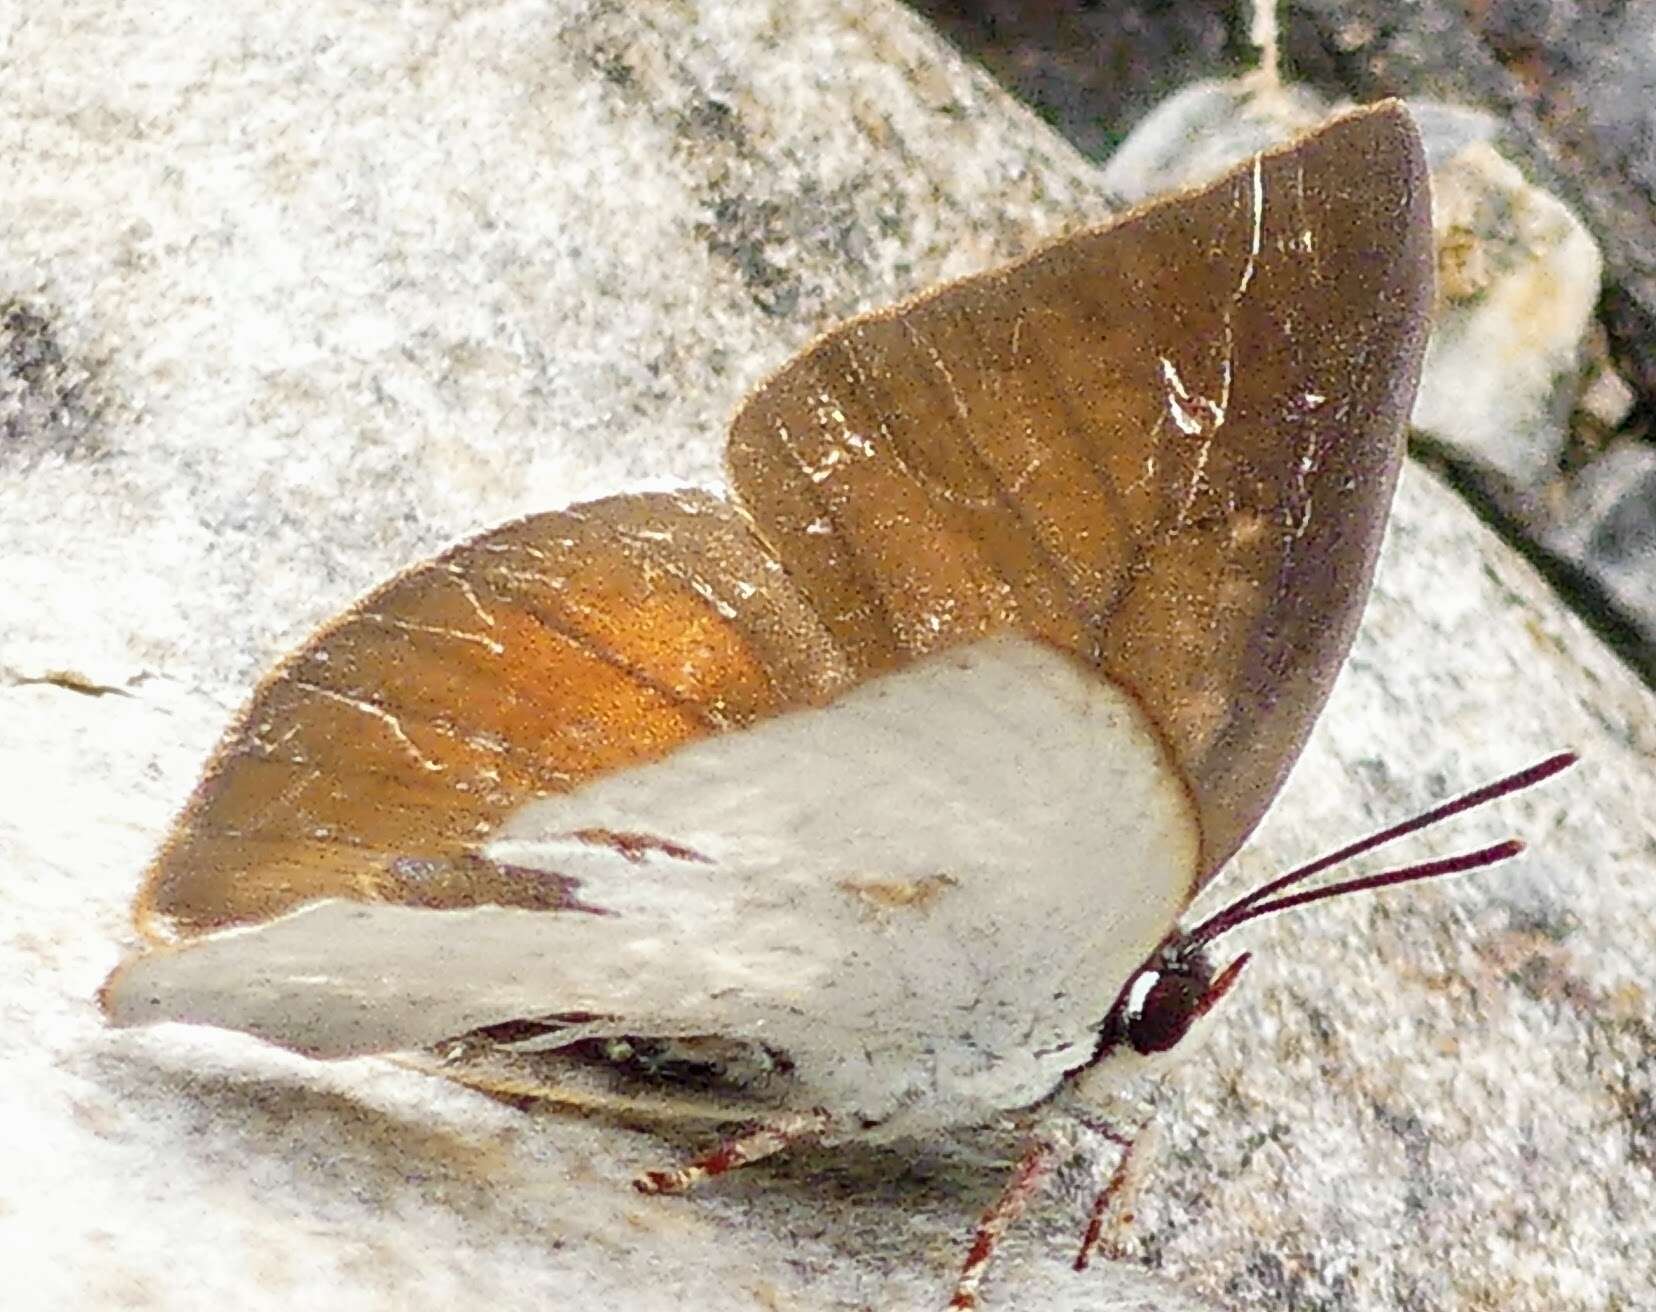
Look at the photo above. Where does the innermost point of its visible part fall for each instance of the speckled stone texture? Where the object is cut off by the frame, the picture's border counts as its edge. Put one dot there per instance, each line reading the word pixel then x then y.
pixel 291 295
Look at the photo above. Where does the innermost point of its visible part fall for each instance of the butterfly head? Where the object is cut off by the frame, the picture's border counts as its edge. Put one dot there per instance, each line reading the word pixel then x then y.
pixel 1166 996
pixel 1167 999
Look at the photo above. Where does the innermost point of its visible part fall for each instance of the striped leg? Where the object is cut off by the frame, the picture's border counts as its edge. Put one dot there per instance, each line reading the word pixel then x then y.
pixel 1033 1167
pixel 1123 1183
pixel 752 1145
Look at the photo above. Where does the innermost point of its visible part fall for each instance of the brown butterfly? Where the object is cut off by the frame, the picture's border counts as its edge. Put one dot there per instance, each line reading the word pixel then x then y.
pixel 871 796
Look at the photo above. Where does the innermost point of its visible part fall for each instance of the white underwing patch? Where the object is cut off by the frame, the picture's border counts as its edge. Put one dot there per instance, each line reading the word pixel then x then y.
pixel 926 894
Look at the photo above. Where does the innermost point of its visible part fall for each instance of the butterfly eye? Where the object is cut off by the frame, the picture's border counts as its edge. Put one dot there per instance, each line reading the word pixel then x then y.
pixel 1165 1010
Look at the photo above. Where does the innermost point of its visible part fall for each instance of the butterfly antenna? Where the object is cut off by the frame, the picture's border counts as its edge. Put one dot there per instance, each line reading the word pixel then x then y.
pixel 1263 901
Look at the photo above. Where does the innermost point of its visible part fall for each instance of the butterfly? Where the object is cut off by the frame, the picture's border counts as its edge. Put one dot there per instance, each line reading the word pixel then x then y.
pixel 863 803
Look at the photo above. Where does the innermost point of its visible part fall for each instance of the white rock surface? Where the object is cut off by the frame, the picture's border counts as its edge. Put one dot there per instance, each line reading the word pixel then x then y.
pixel 302 292
pixel 1518 276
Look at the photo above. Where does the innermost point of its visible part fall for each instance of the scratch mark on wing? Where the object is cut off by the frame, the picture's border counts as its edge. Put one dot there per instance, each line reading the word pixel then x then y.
pixel 961 409
pixel 932 487
pixel 657 564
pixel 282 800
pixel 1198 476
pixel 471 595
pixel 392 724
pixel 859 376
pixel 1258 190
pixel 1223 407
pixel 1303 469
pixel 1148 477
pixel 1304 237
pixel 1185 406
pixel 514 548
pixel 438 630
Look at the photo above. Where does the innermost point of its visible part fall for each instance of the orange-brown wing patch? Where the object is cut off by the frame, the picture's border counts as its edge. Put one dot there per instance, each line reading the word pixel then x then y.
pixel 376 759
pixel 1168 445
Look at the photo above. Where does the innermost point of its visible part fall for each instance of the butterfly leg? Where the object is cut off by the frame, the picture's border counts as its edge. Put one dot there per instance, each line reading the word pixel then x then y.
pixel 753 1145
pixel 1122 1184
pixel 1032 1169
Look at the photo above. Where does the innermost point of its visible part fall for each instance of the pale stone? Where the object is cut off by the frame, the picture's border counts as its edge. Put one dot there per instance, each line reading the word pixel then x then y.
pixel 1518 276
pixel 1606 522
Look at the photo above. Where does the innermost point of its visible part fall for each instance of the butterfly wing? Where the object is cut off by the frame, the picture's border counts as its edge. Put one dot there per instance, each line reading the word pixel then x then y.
pixel 523 662
pixel 882 889
pixel 1168 445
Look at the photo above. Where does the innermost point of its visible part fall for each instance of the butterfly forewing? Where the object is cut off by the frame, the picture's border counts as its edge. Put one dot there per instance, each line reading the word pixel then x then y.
pixel 1168 445
pixel 524 662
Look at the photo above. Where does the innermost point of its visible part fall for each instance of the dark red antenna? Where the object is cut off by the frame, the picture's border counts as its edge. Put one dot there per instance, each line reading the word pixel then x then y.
pixel 1263 902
